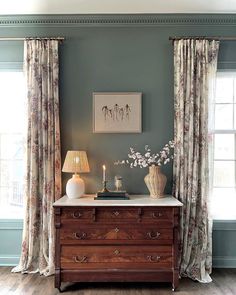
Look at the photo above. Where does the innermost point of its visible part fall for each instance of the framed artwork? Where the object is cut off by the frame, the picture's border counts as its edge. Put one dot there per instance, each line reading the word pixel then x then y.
pixel 117 112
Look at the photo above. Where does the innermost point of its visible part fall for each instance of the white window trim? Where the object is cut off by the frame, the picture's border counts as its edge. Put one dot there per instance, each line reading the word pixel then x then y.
pixel 231 74
pixel 16 66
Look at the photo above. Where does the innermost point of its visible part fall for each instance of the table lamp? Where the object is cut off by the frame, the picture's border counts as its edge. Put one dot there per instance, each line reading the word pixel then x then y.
pixel 75 162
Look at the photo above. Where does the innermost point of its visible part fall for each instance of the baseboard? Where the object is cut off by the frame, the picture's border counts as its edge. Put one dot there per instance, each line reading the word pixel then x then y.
pixel 10 260
pixel 224 261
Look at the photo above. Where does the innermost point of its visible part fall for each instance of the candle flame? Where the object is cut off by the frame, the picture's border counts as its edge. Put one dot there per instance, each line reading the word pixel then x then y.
pixel 104 167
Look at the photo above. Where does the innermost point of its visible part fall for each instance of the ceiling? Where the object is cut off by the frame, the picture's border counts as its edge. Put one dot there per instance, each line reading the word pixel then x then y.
pixel 115 6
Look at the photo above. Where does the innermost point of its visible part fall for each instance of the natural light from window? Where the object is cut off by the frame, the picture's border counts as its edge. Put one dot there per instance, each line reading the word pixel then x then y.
pixel 12 130
pixel 223 203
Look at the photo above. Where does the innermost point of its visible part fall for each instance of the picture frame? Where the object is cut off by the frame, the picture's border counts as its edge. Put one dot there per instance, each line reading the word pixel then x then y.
pixel 117 112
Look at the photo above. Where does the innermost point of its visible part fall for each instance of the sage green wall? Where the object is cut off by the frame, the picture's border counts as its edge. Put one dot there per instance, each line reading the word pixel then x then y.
pixel 10 245
pixel 117 53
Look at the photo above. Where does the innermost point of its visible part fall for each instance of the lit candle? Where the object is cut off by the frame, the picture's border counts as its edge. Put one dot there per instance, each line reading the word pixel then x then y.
pixel 104 172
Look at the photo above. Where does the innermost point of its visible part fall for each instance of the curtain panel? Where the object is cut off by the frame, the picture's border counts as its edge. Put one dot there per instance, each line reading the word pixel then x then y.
pixel 43 152
pixel 195 65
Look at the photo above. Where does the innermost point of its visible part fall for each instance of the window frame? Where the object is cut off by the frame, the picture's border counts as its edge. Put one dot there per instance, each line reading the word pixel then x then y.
pixel 224 73
pixel 15 66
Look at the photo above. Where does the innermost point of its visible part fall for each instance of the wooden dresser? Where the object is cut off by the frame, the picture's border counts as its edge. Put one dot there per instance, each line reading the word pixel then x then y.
pixel 117 241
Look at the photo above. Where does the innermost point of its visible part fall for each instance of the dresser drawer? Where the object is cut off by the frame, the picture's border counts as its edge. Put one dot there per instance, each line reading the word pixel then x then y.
pixel 119 256
pixel 116 214
pixel 84 232
pixel 100 214
pixel 80 213
pixel 161 216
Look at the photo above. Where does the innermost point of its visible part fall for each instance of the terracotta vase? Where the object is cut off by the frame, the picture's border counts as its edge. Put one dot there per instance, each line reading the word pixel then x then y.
pixel 155 181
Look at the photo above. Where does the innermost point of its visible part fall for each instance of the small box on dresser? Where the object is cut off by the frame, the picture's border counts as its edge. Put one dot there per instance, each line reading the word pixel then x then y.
pixel 117 241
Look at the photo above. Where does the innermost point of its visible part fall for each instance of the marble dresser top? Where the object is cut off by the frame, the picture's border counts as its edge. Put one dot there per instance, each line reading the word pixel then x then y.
pixel 135 200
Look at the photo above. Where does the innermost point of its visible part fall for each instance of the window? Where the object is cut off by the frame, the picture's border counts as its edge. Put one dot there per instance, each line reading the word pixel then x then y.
pixel 12 130
pixel 224 163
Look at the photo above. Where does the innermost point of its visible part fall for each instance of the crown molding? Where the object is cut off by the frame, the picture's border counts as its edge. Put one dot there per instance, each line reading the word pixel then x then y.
pixel 118 20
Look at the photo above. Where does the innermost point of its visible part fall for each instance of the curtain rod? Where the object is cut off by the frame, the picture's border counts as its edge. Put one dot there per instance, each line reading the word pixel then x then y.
pixel 28 38
pixel 218 38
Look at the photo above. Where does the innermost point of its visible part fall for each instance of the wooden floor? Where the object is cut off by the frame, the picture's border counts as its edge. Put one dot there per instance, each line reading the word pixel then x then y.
pixel 224 283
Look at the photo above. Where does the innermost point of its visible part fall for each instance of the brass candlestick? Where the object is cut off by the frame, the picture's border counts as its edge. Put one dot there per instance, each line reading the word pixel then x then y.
pixel 105 190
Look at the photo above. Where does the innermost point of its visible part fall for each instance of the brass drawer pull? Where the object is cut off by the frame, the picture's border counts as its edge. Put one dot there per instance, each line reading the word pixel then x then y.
pixel 156 215
pixel 116 213
pixel 80 236
pixel 80 259
pixel 116 230
pixel 76 214
pixel 116 252
pixel 153 235
pixel 153 258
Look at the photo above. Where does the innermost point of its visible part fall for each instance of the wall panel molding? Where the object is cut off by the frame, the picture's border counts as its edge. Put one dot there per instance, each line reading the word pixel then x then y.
pixel 10 233
pixel 118 20
pixel 11 224
pixel 11 65
pixel 224 225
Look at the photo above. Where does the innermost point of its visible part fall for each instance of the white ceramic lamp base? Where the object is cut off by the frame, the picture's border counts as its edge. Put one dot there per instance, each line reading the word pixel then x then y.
pixel 75 187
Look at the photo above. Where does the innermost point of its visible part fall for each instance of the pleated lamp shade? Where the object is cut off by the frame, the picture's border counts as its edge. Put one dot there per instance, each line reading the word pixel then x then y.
pixel 75 162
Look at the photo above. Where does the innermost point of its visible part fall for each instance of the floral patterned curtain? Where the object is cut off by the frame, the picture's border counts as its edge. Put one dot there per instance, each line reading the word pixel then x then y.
pixel 43 175
pixel 195 65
